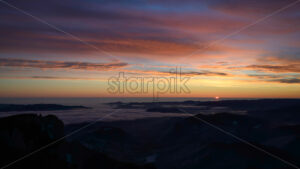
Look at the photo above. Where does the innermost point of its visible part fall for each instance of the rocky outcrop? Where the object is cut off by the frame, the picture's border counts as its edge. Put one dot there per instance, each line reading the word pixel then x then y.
pixel 23 134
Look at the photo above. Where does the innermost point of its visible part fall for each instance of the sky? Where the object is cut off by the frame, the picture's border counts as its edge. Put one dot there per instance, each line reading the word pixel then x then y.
pixel 226 48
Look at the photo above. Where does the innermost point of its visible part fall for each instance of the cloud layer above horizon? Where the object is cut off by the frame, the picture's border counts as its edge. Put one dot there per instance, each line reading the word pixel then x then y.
pixel 213 41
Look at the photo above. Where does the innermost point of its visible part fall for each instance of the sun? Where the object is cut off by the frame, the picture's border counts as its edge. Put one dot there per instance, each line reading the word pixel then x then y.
pixel 217 97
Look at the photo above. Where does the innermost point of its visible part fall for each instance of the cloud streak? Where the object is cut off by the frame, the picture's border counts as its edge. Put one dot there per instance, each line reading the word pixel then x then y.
pixel 21 63
pixel 289 81
pixel 292 68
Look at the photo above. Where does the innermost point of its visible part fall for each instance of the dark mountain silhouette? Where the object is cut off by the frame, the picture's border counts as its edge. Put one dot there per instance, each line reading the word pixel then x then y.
pixel 22 134
pixel 189 143
pixel 193 144
pixel 165 142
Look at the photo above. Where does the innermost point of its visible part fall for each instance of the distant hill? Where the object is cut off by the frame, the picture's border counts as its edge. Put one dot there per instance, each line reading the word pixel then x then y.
pixel 37 107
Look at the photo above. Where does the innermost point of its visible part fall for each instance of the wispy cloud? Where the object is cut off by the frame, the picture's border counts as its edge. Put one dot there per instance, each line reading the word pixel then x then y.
pixel 289 81
pixel 60 64
pixel 292 68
